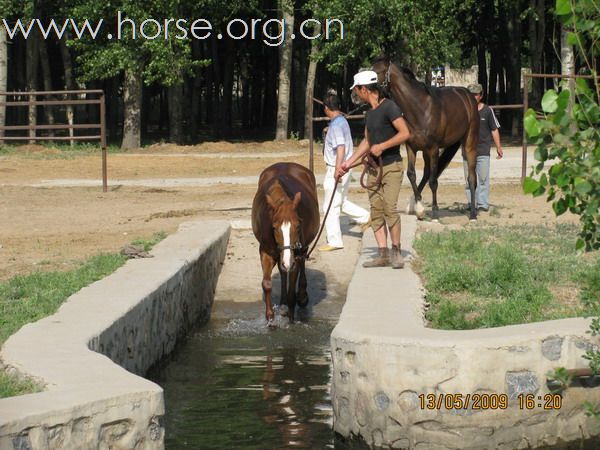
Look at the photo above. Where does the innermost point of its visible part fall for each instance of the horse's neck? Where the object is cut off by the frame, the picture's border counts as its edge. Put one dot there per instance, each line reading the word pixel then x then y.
pixel 412 98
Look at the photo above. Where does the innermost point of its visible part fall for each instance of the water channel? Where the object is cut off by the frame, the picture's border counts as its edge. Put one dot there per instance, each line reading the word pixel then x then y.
pixel 236 384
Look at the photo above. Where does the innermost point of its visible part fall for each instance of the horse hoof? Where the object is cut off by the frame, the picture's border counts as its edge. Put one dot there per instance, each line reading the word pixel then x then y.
pixel 420 210
pixel 435 220
pixel 472 220
pixel 271 324
pixel 283 310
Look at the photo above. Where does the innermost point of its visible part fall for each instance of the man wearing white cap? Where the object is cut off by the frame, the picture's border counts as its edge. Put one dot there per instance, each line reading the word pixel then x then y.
pixel 385 131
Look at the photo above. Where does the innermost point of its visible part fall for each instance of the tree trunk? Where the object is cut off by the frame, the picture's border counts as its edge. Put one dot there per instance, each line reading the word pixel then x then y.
pixel 310 90
pixel 3 78
pixel 132 101
pixel 32 45
pixel 513 66
pixel 537 33
pixel 175 96
pixel 227 101
pixel 482 75
pixel 69 81
pixel 47 77
pixel 285 71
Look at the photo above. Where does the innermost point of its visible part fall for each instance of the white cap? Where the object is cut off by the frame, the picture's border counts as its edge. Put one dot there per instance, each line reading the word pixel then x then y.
pixel 363 78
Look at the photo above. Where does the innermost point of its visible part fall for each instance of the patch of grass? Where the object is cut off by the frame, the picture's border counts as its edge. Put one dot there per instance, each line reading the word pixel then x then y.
pixel 487 277
pixel 11 386
pixel 149 243
pixel 27 298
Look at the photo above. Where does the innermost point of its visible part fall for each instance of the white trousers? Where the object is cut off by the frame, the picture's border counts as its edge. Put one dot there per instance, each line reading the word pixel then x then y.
pixel 339 205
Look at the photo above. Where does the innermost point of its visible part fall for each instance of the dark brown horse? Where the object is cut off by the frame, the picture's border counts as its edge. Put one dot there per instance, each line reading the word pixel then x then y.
pixel 437 118
pixel 285 219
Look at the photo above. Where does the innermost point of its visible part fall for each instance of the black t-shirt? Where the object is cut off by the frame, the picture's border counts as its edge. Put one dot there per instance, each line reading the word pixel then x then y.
pixel 380 128
pixel 487 124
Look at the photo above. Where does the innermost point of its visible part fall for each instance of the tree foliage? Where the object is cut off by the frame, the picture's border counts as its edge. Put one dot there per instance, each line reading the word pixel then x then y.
pixel 418 33
pixel 568 136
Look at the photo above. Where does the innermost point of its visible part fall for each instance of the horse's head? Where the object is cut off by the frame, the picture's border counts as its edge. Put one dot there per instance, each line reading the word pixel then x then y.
pixel 287 229
pixel 382 67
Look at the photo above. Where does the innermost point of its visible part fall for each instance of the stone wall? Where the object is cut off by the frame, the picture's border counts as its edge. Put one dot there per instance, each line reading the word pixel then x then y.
pixel 132 318
pixel 386 362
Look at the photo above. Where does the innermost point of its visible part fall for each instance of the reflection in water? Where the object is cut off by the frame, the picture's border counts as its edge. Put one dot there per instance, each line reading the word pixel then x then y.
pixel 236 384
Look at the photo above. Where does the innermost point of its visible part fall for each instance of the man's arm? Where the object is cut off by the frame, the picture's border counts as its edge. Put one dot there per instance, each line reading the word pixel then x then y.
pixel 362 148
pixel 496 137
pixel 402 135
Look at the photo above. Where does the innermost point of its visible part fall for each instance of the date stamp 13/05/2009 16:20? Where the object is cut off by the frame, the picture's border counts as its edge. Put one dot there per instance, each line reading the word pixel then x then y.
pixel 487 401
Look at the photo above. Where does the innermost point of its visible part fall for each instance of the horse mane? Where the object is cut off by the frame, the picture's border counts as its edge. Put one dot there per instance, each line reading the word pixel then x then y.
pixel 407 73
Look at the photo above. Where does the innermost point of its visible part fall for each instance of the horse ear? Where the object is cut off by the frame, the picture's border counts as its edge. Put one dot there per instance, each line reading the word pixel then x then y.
pixel 270 201
pixel 297 199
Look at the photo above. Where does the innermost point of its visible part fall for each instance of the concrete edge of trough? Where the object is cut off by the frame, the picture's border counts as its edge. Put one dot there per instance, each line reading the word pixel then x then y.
pixel 92 353
pixel 386 361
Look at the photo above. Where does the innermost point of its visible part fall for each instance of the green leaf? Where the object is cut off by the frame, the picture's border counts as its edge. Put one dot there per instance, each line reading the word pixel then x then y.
pixel 580 244
pixel 543 180
pixel 531 124
pixel 560 206
pixel 582 186
pixel 572 38
pixel 541 153
pixel 530 185
pixel 563 7
pixel 549 101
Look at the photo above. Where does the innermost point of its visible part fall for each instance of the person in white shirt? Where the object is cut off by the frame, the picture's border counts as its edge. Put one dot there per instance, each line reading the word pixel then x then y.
pixel 337 149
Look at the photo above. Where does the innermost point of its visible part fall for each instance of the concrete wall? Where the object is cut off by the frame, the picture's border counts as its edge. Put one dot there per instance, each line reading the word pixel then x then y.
pixel 384 358
pixel 87 353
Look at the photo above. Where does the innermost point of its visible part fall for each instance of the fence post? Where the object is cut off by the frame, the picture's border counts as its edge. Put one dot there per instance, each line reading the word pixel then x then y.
pixel 525 107
pixel 103 142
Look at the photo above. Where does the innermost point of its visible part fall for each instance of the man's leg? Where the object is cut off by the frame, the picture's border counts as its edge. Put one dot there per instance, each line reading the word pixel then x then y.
pixel 332 222
pixel 483 182
pixel 381 259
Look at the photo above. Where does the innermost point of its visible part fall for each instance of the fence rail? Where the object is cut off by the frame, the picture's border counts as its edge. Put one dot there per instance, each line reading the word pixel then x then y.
pixel 33 102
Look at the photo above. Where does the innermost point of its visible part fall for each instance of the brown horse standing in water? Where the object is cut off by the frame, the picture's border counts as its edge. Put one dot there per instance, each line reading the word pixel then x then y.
pixel 285 219
pixel 437 118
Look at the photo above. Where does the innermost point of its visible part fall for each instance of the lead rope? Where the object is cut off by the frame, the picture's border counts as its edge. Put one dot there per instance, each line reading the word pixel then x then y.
pixel 368 162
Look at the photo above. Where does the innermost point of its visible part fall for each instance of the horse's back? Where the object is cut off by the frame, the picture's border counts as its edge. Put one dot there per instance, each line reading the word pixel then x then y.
pixel 293 178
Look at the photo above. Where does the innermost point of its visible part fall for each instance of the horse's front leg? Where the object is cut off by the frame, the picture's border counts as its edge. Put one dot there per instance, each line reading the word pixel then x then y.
pixel 267 263
pixel 433 183
pixel 292 292
pixel 302 297
pixel 283 298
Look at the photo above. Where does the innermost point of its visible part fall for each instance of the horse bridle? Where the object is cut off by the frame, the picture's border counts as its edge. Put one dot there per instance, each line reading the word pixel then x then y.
pixel 297 249
pixel 386 78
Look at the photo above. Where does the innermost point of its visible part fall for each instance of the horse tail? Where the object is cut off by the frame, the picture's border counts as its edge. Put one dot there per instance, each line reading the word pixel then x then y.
pixel 446 156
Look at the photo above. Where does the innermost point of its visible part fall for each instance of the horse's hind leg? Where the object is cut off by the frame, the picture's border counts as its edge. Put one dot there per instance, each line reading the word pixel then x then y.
pixel 433 183
pixel 470 154
pixel 267 263
pixel 415 205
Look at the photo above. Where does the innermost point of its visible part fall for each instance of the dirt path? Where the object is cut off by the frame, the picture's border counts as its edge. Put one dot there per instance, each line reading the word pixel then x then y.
pixel 50 228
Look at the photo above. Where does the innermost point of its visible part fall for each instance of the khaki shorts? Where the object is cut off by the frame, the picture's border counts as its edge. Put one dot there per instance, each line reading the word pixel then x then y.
pixel 384 199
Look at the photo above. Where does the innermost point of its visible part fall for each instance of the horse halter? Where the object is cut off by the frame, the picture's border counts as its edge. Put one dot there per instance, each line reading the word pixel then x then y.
pixel 386 78
pixel 296 248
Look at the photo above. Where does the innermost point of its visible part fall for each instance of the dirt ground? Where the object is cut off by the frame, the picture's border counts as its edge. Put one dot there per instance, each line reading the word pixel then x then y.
pixel 50 228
